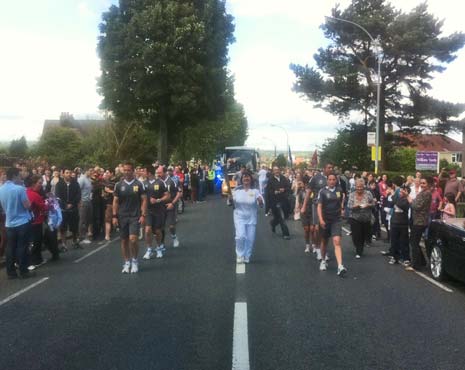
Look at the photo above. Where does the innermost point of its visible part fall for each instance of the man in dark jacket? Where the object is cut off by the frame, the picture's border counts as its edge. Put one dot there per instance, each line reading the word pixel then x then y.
pixel 68 193
pixel 278 200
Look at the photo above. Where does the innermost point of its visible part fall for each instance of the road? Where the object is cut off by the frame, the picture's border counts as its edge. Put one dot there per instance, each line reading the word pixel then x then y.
pixel 195 309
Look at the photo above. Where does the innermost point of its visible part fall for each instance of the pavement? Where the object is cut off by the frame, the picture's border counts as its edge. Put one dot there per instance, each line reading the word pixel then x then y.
pixel 195 309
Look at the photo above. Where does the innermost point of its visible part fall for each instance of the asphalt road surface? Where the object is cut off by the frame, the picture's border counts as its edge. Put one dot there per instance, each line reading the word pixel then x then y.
pixel 195 309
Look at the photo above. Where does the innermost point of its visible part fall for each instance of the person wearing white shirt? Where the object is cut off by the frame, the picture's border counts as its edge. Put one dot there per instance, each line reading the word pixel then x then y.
pixel 246 202
pixel 262 179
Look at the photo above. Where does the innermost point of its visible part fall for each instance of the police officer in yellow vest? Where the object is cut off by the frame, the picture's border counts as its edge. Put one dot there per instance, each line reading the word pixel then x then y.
pixel 210 180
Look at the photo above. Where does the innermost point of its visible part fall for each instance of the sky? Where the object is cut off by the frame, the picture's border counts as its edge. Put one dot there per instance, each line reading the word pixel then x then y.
pixel 49 65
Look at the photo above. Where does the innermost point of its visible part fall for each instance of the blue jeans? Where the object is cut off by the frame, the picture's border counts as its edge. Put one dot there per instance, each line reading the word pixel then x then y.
pixel 17 248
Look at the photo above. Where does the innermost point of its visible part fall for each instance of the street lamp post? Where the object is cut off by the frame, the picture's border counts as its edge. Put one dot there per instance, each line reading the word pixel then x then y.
pixel 378 51
pixel 274 144
pixel 287 138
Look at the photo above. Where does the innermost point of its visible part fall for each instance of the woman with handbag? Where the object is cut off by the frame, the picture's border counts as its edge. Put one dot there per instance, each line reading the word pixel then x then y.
pixel 360 206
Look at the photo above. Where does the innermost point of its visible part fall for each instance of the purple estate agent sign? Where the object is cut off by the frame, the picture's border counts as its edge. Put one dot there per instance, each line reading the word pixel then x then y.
pixel 427 161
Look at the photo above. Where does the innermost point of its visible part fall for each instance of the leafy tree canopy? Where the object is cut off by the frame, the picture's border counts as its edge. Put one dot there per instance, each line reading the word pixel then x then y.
pixel 414 50
pixel 164 62
pixel 18 148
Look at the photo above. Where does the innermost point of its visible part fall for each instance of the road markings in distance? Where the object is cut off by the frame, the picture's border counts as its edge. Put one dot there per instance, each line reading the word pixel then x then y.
pixel 13 296
pixel 95 251
pixel 240 360
pixel 240 268
pixel 432 281
pixel 346 230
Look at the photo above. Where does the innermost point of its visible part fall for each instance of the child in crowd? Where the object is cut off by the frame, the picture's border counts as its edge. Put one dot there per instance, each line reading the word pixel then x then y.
pixel 449 207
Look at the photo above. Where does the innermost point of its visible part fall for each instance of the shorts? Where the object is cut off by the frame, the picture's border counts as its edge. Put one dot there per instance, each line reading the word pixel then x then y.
pixel 306 219
pixel 70 220
pixel 108 213
pixel 156 220
pixel 171 217
pixel 332 229
pixel 85 213
pixel 314 217
pixel 128 226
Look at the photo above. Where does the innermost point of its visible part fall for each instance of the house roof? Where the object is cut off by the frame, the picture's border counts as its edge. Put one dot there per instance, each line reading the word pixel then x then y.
pixel 434 143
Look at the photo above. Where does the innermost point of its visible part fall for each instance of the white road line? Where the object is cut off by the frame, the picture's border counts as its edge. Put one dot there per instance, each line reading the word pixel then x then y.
pixel 94 251
pixel 13 296
pixel 346 230
pixel 432 281
pixel 240 360
pixel 240 268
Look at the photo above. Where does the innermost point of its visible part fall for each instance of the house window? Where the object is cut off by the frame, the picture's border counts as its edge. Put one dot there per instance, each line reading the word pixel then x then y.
pixel 456 157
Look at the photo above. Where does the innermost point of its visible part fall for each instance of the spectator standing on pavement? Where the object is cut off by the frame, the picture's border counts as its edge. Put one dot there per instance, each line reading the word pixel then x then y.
pixel 376 227
pixel 39 211
pixel 246 200
pixel 453 185
pixel 129 212
pixel 399 228
pixel 68 193
pixel 85 207
pixel 420 215
pixel 16 205
pixel 330 208
pixel 278 197
pixel 449 208
pixel 360 211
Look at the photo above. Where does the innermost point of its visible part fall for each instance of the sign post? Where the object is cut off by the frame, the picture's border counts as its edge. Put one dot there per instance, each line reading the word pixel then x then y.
pixel 427 161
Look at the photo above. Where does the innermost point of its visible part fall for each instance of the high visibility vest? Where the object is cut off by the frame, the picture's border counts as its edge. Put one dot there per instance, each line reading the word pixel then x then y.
pixel 211 175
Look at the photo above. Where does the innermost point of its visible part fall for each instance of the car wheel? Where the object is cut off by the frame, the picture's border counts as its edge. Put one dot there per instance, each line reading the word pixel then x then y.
pixel 437 263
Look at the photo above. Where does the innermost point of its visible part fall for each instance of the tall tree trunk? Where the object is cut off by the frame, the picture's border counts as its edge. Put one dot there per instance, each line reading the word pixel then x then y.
pixel 163 139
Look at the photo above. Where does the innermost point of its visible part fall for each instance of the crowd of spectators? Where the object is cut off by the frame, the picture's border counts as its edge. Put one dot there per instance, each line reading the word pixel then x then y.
pixel 71 207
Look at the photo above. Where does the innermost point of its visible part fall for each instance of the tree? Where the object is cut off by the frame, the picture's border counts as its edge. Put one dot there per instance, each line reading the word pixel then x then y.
pixel 344 80
pixel 60 146
pixel 18 148
pixel 280 161
pixel 348 149
pixel 164 63
pixel 208 138
pixel 402 160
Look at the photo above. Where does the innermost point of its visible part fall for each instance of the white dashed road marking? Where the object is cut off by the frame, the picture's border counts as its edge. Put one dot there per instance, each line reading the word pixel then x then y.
pixel 13 296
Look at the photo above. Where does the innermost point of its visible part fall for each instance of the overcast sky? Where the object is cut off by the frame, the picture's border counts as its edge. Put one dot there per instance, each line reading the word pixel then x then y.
pixel 49 64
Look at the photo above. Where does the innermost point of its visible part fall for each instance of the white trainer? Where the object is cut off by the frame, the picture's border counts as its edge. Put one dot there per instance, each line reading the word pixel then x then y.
pixel 126 267
pixel 323 266
pixel 134 267
pixel 318 254
pixel 148 254
pixel 175 242
pixel 341 271
pixel 86 241
pixel 240 260
pixel 307 249
pixel 159 252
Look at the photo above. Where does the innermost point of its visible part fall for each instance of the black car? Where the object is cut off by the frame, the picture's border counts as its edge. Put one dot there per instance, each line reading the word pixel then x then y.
pixel 446 248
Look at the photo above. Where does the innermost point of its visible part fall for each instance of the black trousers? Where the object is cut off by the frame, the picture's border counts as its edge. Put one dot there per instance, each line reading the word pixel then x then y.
pixel 400 242
pixel 51 242
pixel 37 237
pixel 361 234
pixel 279 218
pixel 418 260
